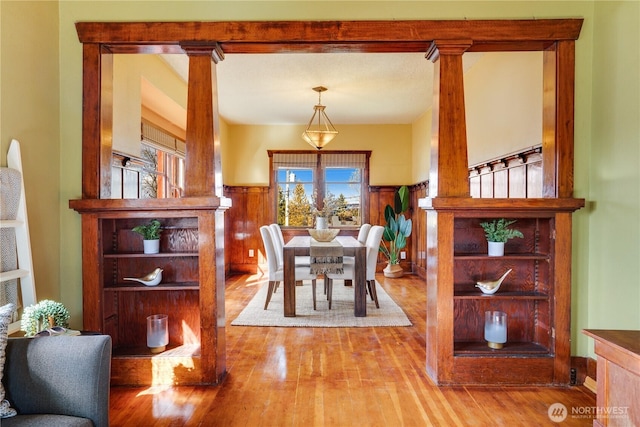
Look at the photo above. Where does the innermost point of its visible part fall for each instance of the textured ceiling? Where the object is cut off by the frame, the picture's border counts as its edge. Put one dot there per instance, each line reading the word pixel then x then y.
pixel 384 88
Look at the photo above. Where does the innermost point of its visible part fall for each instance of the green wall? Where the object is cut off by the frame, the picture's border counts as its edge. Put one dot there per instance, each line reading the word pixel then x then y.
pixel 30 113
pixel 41 89
pixel 612 276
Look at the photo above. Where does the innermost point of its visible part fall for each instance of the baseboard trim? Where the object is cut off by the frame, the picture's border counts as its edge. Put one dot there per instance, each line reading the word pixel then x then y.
pixel 585 367
pixel 591 384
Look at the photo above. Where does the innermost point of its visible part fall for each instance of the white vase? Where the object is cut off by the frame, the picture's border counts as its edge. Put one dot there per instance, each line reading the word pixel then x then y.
pixel 151 246
pixel 321 223
pixel 496 248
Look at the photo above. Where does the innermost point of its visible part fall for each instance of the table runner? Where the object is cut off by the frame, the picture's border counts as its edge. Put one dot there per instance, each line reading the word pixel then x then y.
pixel 326 257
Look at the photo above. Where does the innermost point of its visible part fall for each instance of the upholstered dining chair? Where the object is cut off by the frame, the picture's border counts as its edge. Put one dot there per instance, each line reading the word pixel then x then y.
pixel 373 244
pixel 363 233
pixel 278 243
pixel 276 272
pixel 362 238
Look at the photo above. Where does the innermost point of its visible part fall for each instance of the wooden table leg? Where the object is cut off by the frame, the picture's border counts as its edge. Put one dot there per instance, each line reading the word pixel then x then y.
pixel 360 289
pixel 289 265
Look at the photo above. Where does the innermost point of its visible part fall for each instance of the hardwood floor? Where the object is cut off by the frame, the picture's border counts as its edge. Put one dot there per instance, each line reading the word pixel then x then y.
pixel 337 377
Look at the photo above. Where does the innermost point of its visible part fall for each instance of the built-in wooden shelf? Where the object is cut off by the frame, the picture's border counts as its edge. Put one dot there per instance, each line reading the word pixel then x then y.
pixel 131 287
pixel 501 295
pixel 510 349
pixel 507 257
pixel 143 255
pixel 185 350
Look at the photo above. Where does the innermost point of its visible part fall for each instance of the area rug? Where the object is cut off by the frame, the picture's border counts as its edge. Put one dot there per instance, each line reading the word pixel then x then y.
pixel 340 315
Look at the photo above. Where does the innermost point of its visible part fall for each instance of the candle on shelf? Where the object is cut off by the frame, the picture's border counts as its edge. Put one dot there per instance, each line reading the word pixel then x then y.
pixel 495 328
pixel 157 332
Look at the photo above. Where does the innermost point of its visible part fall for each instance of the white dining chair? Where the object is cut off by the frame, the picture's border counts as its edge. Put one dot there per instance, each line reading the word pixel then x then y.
pixel 373 244
pixel 278 243
pixel 363 233
pixel 276 272
pixel 362 238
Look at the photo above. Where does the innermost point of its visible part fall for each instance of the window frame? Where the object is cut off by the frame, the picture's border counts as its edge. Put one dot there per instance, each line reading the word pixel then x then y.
pixel 319 182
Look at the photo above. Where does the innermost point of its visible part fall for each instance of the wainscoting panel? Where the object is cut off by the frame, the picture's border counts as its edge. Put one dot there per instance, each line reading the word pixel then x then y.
pixel 249 211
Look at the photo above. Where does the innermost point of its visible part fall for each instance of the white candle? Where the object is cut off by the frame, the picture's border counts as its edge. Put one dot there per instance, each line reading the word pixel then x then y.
pixel 495 328
pixel 157 332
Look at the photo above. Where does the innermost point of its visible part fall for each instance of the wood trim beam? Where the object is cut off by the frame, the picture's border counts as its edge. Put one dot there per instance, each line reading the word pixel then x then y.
pixel 351 35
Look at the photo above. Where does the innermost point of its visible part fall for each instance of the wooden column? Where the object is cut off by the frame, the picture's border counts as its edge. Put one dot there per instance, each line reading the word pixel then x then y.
pixel 448 176
pixel 97 121
pixel 557 119
pixel 203 177
pixel 203 168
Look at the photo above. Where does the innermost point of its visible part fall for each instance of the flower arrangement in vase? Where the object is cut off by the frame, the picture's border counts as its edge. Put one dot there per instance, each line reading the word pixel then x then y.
pixel 322 215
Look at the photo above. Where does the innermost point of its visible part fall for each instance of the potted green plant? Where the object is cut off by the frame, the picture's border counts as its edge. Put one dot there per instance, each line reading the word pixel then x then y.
pixel 396 231
pixel 44 315
pixel 498 233
pixel 151 236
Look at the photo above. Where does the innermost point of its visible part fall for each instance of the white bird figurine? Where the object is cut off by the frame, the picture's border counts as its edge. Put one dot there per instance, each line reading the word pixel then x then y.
pixel 491 286
pixel 151 279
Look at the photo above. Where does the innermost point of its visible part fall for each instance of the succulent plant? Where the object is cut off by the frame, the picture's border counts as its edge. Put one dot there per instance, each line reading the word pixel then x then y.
pixel 43 315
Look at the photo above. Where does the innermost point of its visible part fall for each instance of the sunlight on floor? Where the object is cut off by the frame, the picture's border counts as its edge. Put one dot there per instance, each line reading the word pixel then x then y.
pixel 169 404
pixel 256 279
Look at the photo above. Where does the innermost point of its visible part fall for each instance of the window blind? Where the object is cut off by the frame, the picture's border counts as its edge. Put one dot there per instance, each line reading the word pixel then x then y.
pixel 162 140
pixel 294 160
pixel 350 160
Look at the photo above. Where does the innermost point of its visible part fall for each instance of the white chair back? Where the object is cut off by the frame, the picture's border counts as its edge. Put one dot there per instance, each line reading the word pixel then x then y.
pixel 363 233
pixel 278 242
pixel 373 247
pixel 272 259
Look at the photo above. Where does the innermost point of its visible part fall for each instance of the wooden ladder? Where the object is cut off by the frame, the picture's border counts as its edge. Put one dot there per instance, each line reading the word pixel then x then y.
pixel 24 272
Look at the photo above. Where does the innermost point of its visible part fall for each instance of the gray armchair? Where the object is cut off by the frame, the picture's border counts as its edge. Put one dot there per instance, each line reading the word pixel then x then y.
pixel 58 381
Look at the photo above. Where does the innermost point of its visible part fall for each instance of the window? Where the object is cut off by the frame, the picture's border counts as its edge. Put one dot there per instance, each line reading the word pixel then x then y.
pixel 164 176
pixel 157 173
pixel 308 182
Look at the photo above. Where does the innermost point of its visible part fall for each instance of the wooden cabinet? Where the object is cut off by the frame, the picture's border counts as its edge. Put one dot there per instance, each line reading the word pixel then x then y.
pixel 187 294
pixel 535 295
pixel 618 391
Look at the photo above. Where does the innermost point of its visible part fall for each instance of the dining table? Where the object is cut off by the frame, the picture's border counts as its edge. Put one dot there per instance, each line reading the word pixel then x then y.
pixel 301 246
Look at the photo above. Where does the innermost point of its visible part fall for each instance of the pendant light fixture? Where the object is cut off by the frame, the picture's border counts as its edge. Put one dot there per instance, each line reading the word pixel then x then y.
pixel 320 131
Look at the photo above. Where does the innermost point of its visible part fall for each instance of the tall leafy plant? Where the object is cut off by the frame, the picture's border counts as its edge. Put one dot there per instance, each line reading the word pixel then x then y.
pixel 398 228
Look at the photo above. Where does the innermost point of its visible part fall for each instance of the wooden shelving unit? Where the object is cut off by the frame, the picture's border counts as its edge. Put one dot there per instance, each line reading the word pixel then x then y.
pixel 187 293
pixel 535 295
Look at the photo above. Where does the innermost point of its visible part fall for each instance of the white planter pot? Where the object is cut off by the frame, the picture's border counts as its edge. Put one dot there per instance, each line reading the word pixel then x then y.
pixel 496 248
pixel 151 246
pixel 321 223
